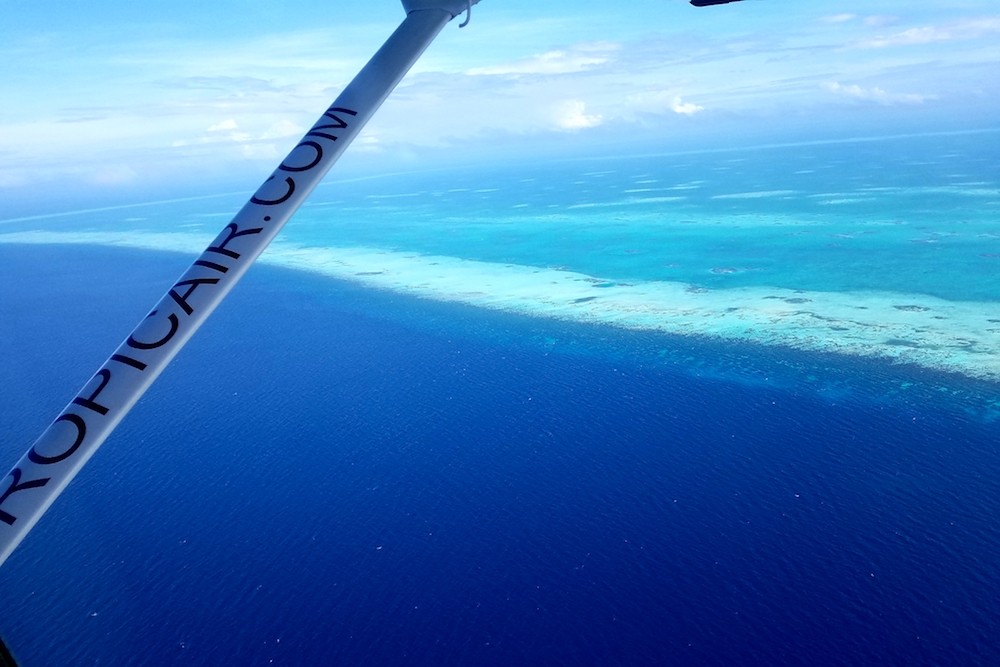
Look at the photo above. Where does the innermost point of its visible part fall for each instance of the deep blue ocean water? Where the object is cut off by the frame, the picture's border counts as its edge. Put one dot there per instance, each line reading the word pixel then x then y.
pixel 333 475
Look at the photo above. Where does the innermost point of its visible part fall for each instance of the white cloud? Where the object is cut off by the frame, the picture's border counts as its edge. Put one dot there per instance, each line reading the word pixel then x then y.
pixel 251 98
pixel 875 94
pixel 577 59
pixel 368 142
pixel 923 35
pixel 839 18
pixel 572 115
pixel 880 20
pixel 222 126
pixel 258 151
pixel 229 131
pixel 961 30
pixel 223 131
pixel 659 102
pixel 872 21
pixel 282 129
pixel 685 108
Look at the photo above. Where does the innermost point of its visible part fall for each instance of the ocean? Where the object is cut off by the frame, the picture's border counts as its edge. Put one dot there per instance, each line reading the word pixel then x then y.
pixel 738 407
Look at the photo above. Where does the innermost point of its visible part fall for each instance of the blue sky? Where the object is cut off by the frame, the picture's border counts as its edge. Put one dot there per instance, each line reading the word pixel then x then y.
pixel 129 100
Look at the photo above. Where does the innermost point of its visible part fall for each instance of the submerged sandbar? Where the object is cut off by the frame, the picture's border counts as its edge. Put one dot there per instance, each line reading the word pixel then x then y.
pixel 955 336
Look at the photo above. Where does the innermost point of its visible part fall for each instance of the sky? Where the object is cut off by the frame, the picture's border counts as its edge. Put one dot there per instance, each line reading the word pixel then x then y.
pixel 110 101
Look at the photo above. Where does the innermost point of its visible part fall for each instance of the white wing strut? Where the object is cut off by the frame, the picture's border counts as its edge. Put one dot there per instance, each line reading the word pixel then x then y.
pixel 69 442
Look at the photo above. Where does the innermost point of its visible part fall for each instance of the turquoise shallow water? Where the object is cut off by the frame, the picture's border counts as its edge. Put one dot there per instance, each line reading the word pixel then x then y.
pixel 907 215
pixel 886 248
pixel 916 214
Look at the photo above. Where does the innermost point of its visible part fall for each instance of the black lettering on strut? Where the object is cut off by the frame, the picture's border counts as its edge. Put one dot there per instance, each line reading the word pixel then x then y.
pixel 314 133
pixel 89 402
pixel 338 124
pixel 15 486
pixel 192 285
pixel 315 161
pixel 128 361
pixel 212 265
pixel 141 345
pixel 272 202
pixel 232 231
pixel 341 123
pixel 81 433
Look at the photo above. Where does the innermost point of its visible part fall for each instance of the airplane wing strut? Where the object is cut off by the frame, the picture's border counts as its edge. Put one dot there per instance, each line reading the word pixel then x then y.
pixel 69 441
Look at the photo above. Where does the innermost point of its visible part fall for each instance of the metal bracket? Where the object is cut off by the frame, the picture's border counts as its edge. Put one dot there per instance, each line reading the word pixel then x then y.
pixel 453 7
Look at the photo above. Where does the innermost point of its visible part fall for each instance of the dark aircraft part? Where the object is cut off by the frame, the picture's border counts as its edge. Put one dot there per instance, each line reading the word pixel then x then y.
pixel 706 3
pixel 6 659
